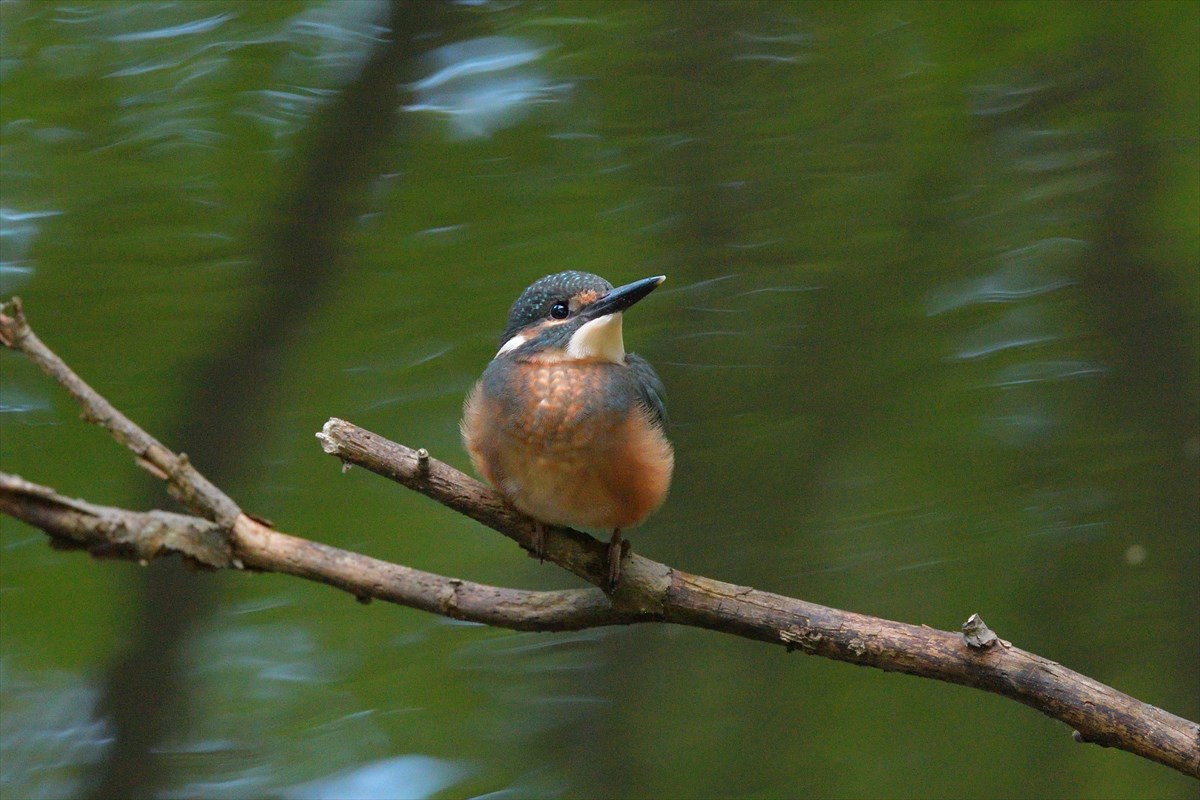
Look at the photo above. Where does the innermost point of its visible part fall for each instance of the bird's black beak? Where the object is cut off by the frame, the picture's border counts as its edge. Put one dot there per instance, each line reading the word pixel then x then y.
pixel 622 297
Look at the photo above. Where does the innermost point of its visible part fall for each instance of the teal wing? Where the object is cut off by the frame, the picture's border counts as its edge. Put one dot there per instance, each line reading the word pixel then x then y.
pixel 651 391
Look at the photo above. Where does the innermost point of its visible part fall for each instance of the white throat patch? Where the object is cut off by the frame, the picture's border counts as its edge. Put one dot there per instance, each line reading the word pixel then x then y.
pixel 512 344
pixel 600 339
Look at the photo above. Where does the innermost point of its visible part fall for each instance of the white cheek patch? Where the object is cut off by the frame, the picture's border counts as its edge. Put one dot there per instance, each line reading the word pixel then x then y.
pixel 512 344
pixel 600 339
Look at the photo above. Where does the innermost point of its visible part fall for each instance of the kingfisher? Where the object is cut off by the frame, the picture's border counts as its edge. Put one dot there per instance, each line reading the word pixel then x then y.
pixel 564 423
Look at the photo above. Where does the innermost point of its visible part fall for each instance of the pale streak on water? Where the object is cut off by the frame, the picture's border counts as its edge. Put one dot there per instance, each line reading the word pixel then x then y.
pixel 781 290
pixel 186 29
pixel 414 776
pixel 698 285
pixel 484 84
pixel 1031 372
pixel 396 365
pixel 19 230
pixel 49 732
pixel 1020 273
pixel 1021 327
pixel 707 334
pixel 774 59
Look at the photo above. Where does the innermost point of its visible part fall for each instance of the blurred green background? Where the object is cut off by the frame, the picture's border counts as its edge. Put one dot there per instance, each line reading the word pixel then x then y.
pixel 930 341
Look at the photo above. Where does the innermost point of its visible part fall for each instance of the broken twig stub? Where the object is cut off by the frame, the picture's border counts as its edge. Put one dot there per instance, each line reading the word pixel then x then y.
pixel 977 634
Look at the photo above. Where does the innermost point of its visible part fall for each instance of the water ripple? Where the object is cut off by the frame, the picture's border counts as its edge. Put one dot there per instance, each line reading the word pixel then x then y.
pixel 1019 273
pixel 186 29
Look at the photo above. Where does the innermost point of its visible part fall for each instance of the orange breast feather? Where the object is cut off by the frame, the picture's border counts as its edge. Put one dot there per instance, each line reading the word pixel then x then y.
pixel 567 446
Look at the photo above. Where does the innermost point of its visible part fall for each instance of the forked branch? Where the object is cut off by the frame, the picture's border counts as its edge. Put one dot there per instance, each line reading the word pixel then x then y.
pixel 649 591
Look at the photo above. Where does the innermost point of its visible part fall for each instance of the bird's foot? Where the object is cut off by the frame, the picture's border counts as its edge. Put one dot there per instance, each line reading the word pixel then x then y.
pixel 614 560
pixel 539 541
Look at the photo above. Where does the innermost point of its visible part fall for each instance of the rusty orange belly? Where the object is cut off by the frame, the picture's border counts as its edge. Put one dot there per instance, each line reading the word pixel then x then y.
pixel 567 443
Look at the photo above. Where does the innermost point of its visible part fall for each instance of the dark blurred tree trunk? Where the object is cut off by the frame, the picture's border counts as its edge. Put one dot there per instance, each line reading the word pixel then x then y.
pixel 146 697
pixel 1141 311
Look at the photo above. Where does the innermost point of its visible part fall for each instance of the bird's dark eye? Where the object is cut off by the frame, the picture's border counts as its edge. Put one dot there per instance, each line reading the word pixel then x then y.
pixel 560 310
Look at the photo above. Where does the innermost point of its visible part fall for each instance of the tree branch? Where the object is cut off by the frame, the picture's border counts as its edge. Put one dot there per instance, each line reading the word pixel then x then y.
pixel 1098 713
pixel 184 481
pixel 649 591
pixel 109 532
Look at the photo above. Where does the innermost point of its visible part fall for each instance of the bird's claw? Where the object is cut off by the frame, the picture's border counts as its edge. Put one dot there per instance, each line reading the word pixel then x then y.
pixel 614 560
pixel 539 542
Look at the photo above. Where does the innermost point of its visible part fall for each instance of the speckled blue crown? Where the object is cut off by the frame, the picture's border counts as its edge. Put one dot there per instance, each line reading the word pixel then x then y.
pixel 535 302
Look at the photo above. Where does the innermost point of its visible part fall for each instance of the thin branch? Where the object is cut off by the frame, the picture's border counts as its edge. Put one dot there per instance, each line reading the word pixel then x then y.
pixel 114 532
pixel 575 552
pixel 649 591
pixel 184 481
pixel 142 536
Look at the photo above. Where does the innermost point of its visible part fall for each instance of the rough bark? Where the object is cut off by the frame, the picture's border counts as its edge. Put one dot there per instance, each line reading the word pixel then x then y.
pixel 1098 713
pixel 649 591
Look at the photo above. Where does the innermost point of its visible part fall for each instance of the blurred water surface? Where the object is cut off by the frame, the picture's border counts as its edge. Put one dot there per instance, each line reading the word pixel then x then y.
pixel 930 341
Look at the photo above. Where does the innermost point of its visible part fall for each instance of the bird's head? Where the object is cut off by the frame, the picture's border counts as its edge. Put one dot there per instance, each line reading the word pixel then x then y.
pixel 572 316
